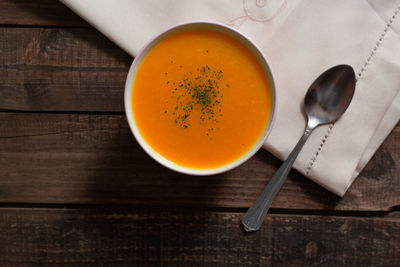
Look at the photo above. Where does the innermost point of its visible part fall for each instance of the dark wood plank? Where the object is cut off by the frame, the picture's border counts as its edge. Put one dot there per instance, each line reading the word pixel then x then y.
pixel 62 90
pixel 94 159
pixel 61 69
pixel 38 12
pixel 41 237
pixel 55 47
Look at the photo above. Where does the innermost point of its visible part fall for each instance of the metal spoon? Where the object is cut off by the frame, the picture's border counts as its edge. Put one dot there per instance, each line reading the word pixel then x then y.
pixel 326 100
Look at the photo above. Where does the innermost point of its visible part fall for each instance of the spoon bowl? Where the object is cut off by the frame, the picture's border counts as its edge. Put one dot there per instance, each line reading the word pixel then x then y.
pixel 326 100
pixel 330 94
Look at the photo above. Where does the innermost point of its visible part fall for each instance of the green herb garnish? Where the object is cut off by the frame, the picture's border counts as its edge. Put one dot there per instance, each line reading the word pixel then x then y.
pixel 198 90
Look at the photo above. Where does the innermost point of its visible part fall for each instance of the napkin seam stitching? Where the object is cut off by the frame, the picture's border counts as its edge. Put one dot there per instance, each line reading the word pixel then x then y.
pixel 359 74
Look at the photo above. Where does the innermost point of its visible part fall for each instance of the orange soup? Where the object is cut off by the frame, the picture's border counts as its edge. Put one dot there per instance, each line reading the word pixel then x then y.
pixel 201 99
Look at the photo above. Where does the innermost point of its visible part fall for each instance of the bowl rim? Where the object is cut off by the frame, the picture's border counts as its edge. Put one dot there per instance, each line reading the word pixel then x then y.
pixel 129 88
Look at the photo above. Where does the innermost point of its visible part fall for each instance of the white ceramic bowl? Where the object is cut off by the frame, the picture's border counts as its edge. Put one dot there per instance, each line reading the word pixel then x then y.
pixel 131 77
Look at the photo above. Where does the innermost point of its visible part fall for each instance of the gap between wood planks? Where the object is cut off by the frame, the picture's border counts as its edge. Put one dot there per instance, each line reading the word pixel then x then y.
pixel 140 209
pixel 65 112
pixel 25 67
pixel 44 26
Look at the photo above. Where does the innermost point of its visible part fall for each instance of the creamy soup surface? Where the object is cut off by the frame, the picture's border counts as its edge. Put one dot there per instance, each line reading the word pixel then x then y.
pixel 201 99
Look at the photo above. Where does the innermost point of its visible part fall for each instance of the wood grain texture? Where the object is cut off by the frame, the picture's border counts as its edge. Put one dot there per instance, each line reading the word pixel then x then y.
pixel 42 12
pixel 94 159
pixel 41 237
pixel 60 69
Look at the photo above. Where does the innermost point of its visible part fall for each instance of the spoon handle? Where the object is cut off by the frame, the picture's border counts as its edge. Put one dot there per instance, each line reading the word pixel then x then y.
pixel 254 217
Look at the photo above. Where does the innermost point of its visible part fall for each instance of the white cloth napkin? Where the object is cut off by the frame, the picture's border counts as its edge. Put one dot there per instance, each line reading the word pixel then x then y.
pixel 300 39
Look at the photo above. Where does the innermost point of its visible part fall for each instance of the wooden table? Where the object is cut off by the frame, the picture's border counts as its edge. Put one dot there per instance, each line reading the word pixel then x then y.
pixel 76 189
